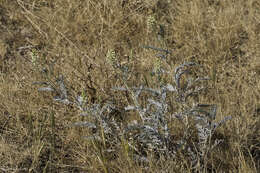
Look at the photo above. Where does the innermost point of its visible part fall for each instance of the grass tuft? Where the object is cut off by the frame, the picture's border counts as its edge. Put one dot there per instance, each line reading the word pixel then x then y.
pixel 129 86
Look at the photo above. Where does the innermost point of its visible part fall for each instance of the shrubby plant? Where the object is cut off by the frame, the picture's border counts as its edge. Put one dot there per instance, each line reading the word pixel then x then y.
pixel 150 134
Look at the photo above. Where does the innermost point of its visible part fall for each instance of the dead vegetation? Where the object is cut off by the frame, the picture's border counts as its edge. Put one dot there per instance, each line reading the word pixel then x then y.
pixel 41 40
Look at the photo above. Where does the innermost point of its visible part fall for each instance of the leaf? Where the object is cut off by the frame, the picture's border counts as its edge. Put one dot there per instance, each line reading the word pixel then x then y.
pixel 128 108
pixel 63 89
pixel 169 87
pixel 216 125
pixel 46 89
pixel 158 104
pixel 62 100
pixel 86 124
pixel 84 114
pixel 92 138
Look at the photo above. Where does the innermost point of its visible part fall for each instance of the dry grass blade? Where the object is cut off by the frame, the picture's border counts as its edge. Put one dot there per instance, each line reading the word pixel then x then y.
pixel 129 86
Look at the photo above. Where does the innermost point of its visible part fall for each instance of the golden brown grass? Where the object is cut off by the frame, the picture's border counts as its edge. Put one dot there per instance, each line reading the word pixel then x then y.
pixel 74 36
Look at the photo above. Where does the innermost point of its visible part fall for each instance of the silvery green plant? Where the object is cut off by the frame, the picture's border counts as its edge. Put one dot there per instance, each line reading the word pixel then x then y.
pixel 150 134
pixel 153 129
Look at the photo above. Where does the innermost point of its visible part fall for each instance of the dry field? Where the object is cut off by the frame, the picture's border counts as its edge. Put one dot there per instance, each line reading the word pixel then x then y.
pixel 91 43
